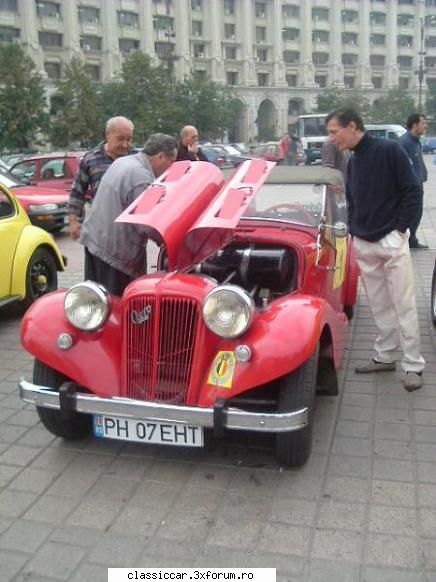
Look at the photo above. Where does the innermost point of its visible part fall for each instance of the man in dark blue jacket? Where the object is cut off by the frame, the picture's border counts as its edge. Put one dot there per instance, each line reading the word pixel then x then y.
pixel 382 200
pixel 416 125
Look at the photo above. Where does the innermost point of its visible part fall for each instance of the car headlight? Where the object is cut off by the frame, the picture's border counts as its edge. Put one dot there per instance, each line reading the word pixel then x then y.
pixel 87 306
pixel 228 311
pixel 42 208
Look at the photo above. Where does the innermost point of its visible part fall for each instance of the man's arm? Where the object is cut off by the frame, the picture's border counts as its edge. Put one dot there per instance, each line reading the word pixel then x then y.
pixel 77 198
pixel 409 188
pixel 328 155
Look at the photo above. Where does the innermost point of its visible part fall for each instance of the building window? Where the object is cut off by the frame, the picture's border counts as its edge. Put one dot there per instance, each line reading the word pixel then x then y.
pixel 50 40
pixel 290 34
pixel 196 5
pixel 377 60
pixel 291 56
pixel 349 82
pixel 406 2
pixel 404 19
pixel 321 80
pixel 229 7
pixel 290 11
pixel 8 5
pixel 262 79
pixel 231 53
pixel 320 13
pixel 90 43
pixel 197 28
pixel 377 82
pixel 128 19
pixel 403 83
pixel 349 59
pixel 430 62
pixel 404 40
pixel 291 80
pixel 349 38
pixel 128 45
pixel 350 16
pixel 165 23
pixel 430 42
pixel 200 74
pixel 431 84
pixel 377 39
pixel 53 70
pixel 404 62
pixel 229 31
pixel 260 10
pixel 260 34
pixel 232 78
pixel 262 55
pixel 48 9
pixel 94 72
pixel 320 58
pixel 8 34
pixel 89 15
pixel 199 51
pixel 378 18
pixel 320 36
pixel 430 21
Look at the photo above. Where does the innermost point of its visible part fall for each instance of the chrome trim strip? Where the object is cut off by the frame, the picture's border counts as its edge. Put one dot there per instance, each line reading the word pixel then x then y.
pixel 235 419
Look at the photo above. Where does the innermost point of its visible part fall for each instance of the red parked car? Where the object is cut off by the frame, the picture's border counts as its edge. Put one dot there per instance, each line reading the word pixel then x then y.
pixel 46 207
pixel 241 325
pixel 54 170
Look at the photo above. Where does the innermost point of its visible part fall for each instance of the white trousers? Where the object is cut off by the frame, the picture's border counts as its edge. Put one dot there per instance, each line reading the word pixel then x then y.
pixel 387 275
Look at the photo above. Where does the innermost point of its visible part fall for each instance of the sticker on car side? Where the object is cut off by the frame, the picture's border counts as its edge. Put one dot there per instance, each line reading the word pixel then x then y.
pixel 222 370
pixel 341 261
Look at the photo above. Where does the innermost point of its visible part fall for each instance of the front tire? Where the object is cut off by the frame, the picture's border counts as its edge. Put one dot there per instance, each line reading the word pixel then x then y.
pixel 41 275
pixel 297 390
pixel 78 426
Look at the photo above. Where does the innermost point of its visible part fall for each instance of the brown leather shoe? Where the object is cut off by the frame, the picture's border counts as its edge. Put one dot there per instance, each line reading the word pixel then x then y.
pixel 374 366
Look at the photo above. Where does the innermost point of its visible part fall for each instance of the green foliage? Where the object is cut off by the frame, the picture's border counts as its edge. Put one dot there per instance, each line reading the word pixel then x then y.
pixel 430 103
pixel 334 97
pixel 77 116
pixel 22 102
pixel 394 108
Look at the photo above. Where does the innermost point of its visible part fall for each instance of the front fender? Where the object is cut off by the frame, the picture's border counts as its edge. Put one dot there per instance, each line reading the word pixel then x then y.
pixel 94 360
pixel 31 238
pixel 281 340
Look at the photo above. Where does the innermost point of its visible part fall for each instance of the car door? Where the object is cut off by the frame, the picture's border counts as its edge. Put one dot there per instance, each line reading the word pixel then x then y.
pixel 27 171
pixel 54 173
pixel 10 230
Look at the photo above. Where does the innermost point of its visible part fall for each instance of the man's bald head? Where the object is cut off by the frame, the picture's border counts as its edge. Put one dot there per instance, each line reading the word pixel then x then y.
pixel 189 135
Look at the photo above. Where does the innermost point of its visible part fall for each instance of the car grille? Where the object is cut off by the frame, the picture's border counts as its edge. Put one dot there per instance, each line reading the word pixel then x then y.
pixel 159 343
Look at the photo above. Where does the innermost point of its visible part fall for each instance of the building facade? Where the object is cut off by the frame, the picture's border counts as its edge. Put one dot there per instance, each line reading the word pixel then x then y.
pixel 276 54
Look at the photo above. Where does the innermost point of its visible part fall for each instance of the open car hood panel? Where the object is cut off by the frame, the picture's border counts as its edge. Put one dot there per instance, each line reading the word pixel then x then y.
pixel 173 202
pixel 216 227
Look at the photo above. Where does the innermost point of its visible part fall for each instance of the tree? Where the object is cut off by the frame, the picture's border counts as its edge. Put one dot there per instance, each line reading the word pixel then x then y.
pixel 394 108
pixel 209 106
pixel 77 116
pixel 430 103
pixel 22 101
pixel 334 97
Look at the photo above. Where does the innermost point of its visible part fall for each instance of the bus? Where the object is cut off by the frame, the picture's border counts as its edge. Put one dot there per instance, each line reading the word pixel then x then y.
pixel 312 132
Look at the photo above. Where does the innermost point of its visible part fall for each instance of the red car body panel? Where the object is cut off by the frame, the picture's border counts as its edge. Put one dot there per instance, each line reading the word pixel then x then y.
pixel 36 195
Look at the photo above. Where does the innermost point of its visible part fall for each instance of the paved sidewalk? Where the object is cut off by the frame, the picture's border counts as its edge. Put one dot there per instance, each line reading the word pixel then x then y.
pixel 363 508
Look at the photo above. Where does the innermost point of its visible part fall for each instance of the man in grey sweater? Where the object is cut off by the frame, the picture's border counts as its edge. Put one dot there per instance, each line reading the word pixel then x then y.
pixel 115 252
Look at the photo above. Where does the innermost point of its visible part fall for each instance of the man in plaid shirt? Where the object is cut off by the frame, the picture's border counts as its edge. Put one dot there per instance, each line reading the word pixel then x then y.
pixel 118 140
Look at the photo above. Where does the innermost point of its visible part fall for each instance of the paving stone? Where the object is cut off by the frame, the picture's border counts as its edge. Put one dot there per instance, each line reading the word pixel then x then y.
pixel 284 539
pixel 73 535
pixel 97 514
pixel 143 521
pixel 33 480
pixel 346 489
pixel 293 511
pixel 197 500
pixel 374 574
pixel 427 472
pixel 116 550
pixel 392 431
pixel 94 572
pixel 349 466
pixel 393 469
pixel 210 477
pixel 393 520
pixel 430 554
pixel 338 516
pixel 11 563
pixel 254 506
pixel 350 428
pixel 15 503
pixel 333 571
pixel 18 455
pixel 426 495
pixel 393 493
pixel 55 560
pixel 25 535
pixel 402 450
pixel 338 545
pixel 187 527
pixel 393 551
pixel 357 413
pixel 359 447
pixel 51 509
pixel 427 519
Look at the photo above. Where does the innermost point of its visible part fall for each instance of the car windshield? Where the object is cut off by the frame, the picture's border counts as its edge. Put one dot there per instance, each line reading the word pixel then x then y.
pixel 8 180
pixel 300 203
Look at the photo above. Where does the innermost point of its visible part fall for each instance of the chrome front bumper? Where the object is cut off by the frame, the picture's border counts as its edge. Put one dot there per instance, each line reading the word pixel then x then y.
pixel 232 418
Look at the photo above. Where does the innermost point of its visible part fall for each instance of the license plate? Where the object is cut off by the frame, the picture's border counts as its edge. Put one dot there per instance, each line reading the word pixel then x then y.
pixel 147 431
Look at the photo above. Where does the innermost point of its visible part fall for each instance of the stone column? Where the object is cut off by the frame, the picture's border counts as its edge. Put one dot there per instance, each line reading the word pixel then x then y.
pixel 245 17
pixel 215 19
pixel 279 69
pixel 391 45
pixel 364 76
pixel 111 50
pixel 307 69
pixel 146 15
pixel 336 66
pixel 29 32
pixel 182 16
pixel 71 29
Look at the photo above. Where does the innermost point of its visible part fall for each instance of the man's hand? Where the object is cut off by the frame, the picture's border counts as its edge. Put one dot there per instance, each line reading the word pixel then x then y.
pixel 74 227
pixel 193 148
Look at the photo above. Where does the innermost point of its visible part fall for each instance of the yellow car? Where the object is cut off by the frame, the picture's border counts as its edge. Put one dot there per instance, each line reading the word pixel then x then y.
pixel 29 256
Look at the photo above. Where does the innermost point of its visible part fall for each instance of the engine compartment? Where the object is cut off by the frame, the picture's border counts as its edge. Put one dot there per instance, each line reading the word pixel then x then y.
pixel 265 271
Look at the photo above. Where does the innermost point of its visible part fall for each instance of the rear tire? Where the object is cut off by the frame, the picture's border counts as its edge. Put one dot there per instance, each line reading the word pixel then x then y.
pixel 297 390
pixel 78 426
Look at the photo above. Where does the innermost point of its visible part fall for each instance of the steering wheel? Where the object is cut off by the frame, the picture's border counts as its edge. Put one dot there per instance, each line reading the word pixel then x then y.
pixel 287 210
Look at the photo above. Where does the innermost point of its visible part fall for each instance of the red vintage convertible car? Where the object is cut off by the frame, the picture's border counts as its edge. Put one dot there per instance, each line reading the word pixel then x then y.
pixel 244 320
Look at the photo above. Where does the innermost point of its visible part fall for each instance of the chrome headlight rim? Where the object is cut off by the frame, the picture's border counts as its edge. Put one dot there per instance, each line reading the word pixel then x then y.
pixel 102 295
pixel 243 296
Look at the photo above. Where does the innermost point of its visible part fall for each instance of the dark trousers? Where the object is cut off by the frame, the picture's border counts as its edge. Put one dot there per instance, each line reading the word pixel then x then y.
pixel 413 227
pixel 113 280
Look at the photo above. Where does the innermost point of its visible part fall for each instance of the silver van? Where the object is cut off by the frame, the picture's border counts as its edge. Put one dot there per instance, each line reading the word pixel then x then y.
pixel 386 131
